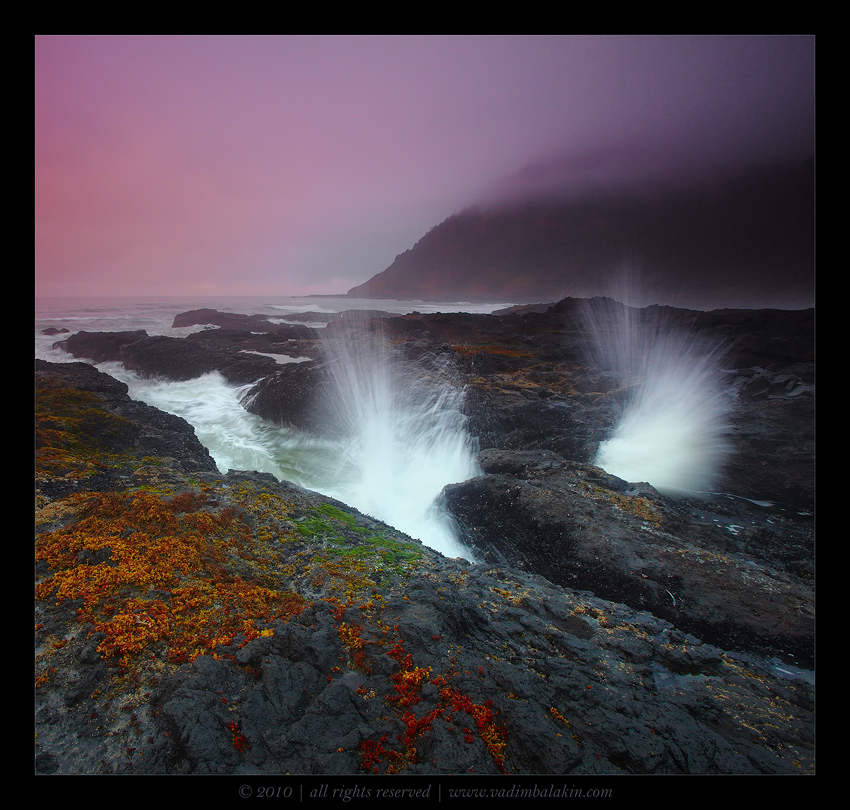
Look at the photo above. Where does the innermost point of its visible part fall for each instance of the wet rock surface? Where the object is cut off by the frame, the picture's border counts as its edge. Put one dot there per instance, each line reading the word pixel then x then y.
pixel 690 562
pixel 604 628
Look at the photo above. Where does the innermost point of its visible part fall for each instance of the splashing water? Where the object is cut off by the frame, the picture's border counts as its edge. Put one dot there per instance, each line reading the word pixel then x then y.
pixel 672 432
pixel 235 438
pixel 395 432
pixel 396 416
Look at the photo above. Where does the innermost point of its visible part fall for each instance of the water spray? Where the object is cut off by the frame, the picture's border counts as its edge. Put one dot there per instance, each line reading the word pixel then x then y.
pixel 673 429
pixel 397 419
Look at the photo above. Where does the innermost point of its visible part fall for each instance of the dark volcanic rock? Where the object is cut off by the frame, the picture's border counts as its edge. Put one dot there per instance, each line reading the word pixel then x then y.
pixel 226 320
pixel 179 359
pixel 194 623
pixel 582 528
pixel 230 322
pixel 239 355
pixel 171 358
pixel 533 377
pixel 287 340
pixel 773 441
pixel 105 422
pixel 536 382
pixel 289 396
pixel 100 347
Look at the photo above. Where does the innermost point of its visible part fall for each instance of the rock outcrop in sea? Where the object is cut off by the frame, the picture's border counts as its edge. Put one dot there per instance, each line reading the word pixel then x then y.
pixel 195 622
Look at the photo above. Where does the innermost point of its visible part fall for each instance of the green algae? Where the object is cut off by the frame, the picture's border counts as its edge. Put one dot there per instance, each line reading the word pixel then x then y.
pixel 347 539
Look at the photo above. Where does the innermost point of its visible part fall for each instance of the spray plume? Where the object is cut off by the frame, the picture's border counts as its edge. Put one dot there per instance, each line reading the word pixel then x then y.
pixel 396 416
pixel 672 432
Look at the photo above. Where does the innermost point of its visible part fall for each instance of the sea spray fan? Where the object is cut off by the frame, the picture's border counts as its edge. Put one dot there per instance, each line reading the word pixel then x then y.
pixel 672 432
pixel 396 415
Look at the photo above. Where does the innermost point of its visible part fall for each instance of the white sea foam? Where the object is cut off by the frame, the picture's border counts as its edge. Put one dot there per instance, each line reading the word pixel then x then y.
pixel 236 439
pixel 393 441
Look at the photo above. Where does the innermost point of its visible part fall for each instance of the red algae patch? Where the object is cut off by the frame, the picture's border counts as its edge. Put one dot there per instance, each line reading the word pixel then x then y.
pixel 408 682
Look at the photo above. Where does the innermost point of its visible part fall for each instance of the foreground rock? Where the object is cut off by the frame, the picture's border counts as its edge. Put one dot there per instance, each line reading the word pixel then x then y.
pixel 723 569
pixel 286 633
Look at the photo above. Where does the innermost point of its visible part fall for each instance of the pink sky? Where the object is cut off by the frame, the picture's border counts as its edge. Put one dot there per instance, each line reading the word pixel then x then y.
pixel 231 165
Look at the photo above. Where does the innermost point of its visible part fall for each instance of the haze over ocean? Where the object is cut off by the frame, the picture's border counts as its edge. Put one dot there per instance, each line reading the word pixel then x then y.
pixel 156 312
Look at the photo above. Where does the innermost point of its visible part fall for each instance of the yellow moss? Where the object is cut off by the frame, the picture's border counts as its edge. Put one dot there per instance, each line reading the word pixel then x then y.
pixel 72 428
pixel 43 678
pixel 558 716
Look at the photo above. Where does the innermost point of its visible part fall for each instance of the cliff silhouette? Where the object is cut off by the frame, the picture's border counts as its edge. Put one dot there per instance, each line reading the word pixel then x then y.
pixel 743 238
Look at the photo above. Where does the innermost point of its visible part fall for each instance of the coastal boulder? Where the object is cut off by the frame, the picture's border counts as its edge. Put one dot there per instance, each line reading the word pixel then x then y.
pixel 100 347
pixel 289 395
pixel 104 421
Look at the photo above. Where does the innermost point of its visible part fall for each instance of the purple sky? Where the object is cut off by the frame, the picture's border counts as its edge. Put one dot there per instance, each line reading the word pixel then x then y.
pixel 293 165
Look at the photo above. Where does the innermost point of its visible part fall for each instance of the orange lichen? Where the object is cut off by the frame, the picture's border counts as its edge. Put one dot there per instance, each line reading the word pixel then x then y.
pixel 373 752
pixel 43 678
pixel 558 716
pixel 408 680
pixel 490 733
pixel 149 568
pixel 349 636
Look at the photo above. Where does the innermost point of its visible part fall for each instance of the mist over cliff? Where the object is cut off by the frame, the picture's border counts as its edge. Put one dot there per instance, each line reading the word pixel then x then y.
pixel 739 238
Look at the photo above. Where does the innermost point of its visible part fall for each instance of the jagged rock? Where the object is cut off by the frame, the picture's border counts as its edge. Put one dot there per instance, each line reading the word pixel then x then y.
pixel 286 340
pixel 283 632
pixel 179 359
pixel 289 396
pixel 168 357
pixel 582 528
pixel 234 326
pixel 533 379
pixel 226 320
pixel 112 424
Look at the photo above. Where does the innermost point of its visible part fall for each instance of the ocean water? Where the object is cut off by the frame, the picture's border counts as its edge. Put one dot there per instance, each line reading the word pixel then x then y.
pixel 396 432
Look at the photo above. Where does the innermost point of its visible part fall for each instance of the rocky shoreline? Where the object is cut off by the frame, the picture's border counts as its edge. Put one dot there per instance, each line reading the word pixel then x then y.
pixel 605 628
